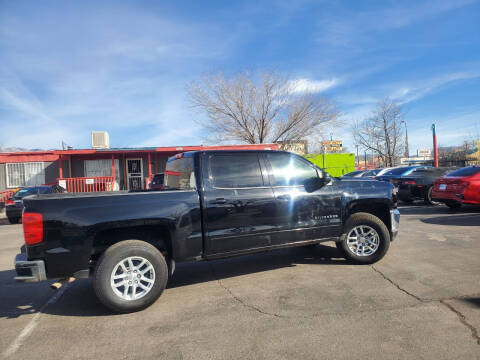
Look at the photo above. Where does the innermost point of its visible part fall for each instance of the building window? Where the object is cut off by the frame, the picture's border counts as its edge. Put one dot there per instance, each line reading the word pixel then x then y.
pixel 103 167
pixel 25 174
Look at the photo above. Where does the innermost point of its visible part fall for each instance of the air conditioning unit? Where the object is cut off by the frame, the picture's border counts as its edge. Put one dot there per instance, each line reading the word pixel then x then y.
pixel 100 140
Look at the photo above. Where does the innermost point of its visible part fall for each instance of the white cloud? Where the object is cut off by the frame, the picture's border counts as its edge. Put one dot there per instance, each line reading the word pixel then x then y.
pixel 305 85
pixel 76 70
pixel 405 93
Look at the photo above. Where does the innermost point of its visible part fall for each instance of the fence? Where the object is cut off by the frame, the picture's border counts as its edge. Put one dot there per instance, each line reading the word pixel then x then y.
pixel 88 184
pixel 5 195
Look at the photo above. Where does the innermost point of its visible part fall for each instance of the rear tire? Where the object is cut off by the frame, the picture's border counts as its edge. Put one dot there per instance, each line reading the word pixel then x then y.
pixel 369 248
pixel 428 197
pixel 139 266
pixel 13 220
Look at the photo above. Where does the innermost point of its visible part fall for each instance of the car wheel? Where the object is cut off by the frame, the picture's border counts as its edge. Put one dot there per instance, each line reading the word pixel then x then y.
pixel 453 204
pixel 13 220
pixel 366 239
pixel 428 197
pixel 130 276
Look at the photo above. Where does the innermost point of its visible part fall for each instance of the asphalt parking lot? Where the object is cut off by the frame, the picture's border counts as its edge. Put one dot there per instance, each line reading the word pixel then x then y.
pixel 422 301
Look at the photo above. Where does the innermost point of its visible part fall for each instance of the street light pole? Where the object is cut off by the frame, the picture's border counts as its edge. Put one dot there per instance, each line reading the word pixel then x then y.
pixel 358 160
pixel 407 153
pixel 435 147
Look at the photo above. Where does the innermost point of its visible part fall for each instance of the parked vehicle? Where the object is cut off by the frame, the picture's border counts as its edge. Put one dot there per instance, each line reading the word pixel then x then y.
pixel 384 170
pixel 419 184
pixel 362 174
pixel 217 204
pixel 395 173
pixel 14 205
pixel 157 182
pixel 459 187
pixel 354 174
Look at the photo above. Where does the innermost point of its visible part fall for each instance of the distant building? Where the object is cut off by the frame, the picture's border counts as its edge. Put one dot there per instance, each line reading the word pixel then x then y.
pixel 299 147
pixel 93 169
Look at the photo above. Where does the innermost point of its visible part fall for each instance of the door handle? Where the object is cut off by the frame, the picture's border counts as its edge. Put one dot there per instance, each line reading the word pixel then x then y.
pixel 218 201
pixel 284 197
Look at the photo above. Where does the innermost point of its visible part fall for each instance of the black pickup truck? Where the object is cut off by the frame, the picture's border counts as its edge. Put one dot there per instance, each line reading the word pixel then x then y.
pixel 215 204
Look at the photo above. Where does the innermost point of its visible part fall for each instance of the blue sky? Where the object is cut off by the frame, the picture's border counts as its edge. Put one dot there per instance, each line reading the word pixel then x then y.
pixel 69 67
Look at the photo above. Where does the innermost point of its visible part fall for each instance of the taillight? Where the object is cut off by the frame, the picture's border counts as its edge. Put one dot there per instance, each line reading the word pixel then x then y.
pixel 32 228
pixel 408 182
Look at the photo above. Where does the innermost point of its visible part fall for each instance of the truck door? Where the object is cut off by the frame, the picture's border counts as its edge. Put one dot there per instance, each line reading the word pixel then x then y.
pixel 302 215
pixel 238 202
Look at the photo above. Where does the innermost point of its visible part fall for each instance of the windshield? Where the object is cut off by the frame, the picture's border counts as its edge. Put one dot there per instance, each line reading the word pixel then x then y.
pixel 371 172
pixel 399 171
pixel 20 194
pixel 468 171
pixel 179 172
pixel 354 173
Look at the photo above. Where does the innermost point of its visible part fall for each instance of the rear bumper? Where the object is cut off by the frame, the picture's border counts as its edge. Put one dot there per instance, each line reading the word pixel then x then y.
pixel 29 270
pixel 411 192
pixel 395 220
pixel 443 196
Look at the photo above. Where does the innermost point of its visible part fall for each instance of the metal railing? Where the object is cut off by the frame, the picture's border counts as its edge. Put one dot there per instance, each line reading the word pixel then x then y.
pixel 88 184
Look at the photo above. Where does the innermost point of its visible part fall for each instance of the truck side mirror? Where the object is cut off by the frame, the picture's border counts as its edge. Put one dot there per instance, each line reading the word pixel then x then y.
pixel 313 184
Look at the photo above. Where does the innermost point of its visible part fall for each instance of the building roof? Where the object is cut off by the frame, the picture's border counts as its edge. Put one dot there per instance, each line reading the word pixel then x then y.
pixel 53 155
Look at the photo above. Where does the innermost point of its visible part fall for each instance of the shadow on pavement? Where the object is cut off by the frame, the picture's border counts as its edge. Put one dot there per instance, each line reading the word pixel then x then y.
pixel 21 299
pixel 79 298
pixel 438 210
pixel 472 300
pixel 454 220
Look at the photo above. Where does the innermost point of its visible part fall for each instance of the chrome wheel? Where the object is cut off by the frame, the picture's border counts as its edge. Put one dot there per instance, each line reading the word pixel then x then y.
pixel 132 278
pixel 363 240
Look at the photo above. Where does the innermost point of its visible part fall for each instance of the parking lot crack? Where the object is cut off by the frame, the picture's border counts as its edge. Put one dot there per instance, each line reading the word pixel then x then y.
pixel 397 285
pixel 463 321
pixel 240 300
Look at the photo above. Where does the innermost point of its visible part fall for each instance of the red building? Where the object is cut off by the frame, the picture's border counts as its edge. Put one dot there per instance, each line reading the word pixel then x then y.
pixel 94 169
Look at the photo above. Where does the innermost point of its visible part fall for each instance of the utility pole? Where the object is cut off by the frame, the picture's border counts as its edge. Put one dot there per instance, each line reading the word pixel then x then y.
pixel 365 159
pixel 435 148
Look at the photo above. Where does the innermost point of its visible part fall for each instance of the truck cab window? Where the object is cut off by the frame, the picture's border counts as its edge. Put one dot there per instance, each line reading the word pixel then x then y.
pixel 235 171
pixel 179 173
pixel 290 170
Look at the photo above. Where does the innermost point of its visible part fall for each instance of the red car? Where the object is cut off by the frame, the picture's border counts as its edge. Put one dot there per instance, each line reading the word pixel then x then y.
pixel 459 187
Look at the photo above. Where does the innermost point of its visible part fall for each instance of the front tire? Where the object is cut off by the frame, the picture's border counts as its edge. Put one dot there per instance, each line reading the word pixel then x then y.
pixel 366 239
pixel 13 220
pixel 130 276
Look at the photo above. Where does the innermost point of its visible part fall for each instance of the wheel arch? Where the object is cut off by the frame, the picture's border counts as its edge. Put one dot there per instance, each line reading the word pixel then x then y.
pixel 158 236
pixel 379 209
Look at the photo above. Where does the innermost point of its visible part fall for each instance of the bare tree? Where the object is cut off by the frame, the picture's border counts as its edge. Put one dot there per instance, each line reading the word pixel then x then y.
pixel 382 132
pixel 262 109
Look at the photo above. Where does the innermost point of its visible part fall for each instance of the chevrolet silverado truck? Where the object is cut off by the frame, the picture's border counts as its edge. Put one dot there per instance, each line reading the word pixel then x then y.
pixel 216 204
